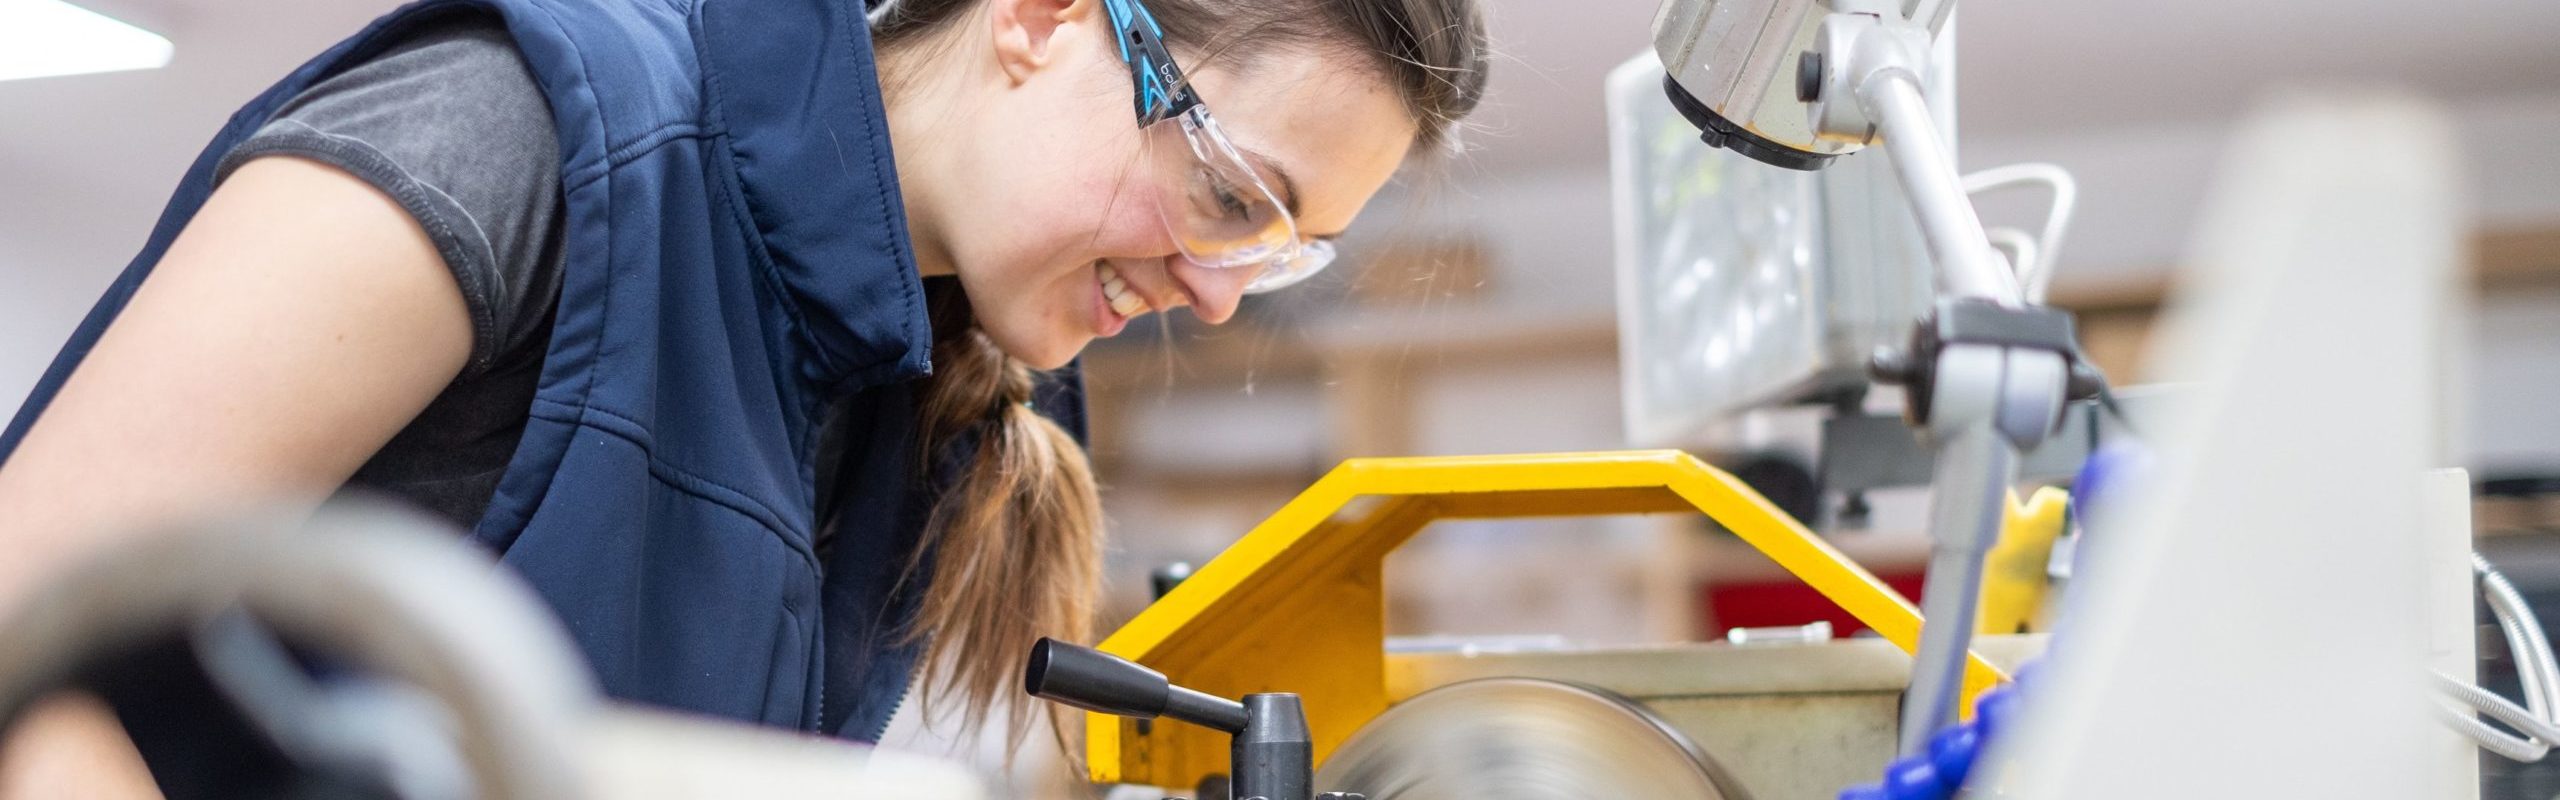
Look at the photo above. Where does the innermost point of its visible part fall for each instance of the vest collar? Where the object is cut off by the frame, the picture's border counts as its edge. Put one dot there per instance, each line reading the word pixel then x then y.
pixel 792 85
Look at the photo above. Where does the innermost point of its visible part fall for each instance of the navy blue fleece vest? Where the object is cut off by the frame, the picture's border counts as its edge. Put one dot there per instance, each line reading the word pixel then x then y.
pixel 737 269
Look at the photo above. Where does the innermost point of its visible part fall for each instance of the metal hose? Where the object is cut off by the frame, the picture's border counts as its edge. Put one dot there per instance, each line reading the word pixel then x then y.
pixel 2536 667
pixel 2538 732
pixel 2536 670
pixel 2509 746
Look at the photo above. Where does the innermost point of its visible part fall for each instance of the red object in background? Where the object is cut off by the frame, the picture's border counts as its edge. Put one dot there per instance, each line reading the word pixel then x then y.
pixel 1788 603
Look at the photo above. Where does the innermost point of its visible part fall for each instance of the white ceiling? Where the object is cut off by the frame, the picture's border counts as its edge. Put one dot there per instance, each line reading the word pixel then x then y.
pixel 109 147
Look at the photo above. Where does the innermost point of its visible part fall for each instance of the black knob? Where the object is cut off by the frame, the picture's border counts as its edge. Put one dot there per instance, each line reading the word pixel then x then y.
pixel 1809 77
pixel 1097 681
pixel 1168 576
pixel 1890 366
pixel 2085 382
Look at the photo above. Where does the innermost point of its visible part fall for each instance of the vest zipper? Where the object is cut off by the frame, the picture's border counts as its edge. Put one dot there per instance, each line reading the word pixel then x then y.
pixel 894 705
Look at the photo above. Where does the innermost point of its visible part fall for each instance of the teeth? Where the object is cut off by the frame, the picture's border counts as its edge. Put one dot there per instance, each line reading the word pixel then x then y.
pixel 1124 302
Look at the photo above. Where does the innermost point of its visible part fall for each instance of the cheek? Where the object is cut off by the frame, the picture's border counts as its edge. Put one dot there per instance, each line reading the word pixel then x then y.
pixel 1061 189
pixel 1072 217
pixel 1031 276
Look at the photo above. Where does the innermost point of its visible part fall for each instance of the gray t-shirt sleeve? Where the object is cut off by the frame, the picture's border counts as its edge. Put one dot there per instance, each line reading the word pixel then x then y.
pixel 452 125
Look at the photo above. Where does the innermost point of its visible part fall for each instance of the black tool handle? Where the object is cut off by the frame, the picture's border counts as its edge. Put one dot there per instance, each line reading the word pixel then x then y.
pixel 1097 681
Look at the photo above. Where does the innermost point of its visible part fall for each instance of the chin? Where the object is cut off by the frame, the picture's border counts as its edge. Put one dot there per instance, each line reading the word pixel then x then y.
pixel 1038 351
pixel 1051 362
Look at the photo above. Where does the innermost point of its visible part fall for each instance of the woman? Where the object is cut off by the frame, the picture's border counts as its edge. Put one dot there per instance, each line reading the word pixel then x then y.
pixel 718 331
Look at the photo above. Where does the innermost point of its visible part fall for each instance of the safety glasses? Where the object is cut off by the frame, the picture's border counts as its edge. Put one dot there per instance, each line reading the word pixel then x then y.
pixel 1220 209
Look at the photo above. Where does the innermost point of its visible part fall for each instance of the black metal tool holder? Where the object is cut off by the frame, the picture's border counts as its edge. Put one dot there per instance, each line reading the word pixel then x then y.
pixel 1272 758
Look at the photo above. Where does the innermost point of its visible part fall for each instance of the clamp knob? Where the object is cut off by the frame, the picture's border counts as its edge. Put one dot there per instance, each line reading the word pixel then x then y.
pixel 1271 753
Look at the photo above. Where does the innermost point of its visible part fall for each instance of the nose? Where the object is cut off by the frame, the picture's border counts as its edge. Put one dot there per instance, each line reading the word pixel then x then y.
pixel 1214 291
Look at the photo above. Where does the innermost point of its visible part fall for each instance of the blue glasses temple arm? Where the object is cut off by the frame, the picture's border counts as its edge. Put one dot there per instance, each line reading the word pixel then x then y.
pixel 1162 90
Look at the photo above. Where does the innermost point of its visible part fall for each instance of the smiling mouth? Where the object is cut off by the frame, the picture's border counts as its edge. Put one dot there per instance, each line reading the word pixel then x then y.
pixel 1115 290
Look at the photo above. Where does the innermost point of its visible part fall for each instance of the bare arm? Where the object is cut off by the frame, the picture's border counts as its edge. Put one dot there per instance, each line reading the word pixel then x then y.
pixel 298 321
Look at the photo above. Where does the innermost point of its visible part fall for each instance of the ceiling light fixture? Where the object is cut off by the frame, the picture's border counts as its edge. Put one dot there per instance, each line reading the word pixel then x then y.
pixel 45 38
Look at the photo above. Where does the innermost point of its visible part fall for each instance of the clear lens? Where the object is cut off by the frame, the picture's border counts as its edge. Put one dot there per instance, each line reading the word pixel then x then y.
pixel 1221 211
pixel 1284 272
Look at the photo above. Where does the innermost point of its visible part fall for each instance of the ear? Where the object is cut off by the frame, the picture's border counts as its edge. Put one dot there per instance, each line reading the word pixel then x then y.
pixel 1025 31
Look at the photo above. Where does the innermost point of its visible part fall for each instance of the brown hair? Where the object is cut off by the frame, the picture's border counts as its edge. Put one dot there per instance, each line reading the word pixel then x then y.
pixel 1014 542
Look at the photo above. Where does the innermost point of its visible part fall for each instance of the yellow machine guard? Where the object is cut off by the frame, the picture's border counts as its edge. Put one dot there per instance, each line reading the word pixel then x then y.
pixel 1297 605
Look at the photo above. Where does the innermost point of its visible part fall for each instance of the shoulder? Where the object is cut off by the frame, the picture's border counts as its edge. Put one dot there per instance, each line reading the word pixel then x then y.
pixel 450 122
pixel 454 92
pixel 463 68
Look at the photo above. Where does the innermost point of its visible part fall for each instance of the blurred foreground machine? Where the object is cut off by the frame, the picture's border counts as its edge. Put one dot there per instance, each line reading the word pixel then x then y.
pixel 368 655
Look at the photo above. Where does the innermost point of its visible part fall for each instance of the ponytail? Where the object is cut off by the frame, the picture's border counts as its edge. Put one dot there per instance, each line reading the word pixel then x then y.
pixel 1013 545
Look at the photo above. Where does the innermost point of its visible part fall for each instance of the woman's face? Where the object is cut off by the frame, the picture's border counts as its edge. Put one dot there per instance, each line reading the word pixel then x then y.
pixel 1059 198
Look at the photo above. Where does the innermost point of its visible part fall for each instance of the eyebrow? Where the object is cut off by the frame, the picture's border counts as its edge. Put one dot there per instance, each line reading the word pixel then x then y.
pixel 1289 187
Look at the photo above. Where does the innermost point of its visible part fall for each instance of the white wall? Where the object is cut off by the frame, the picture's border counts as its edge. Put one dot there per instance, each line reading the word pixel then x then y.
pixel 2139 188
pixel 88 160
pixel 2513 383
